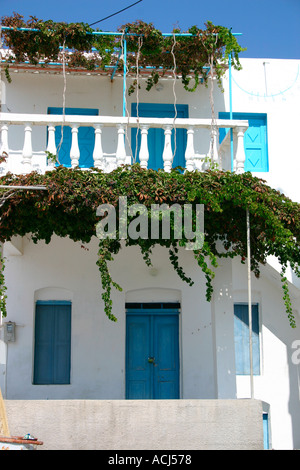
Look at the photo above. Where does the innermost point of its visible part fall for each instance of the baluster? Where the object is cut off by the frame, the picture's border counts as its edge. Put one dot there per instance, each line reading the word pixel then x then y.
pixel 240 150
pixel 98 152
pixel 213 150
pixel 4 139
pixel 167 153
pixel 51 147
pixel 121 151
pixel 144 152
pixel 190 151
pixel 74 152
pixel 27 149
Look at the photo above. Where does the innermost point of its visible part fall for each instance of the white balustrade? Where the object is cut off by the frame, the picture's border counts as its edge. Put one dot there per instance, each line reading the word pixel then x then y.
pixel 121 150
pixel 122 125
pixel 190 150
pixel 240 151
pixel 213 149
pixel 4 140
pixel 144 152
pixel 51 147
pixel 167 153
pixel 74 152
pixel 27 149
pixel 98 152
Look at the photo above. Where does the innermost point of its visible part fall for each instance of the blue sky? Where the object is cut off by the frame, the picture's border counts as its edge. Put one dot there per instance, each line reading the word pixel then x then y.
pixel 270 28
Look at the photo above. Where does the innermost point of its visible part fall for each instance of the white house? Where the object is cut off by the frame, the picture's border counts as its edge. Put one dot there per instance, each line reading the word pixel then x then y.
pixel 161 320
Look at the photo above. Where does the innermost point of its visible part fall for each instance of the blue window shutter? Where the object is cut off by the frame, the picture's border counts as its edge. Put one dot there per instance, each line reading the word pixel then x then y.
pixel 241 338
pixel 156 136
pixel 52 352
pixel 266 431
pixel 255 140
pixel 86 138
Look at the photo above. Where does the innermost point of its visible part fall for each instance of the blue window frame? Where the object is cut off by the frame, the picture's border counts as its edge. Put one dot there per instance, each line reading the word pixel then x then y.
pixel 86 138
pixel 241 339
pixel 156 136
pixel 52 348
pixel 255 140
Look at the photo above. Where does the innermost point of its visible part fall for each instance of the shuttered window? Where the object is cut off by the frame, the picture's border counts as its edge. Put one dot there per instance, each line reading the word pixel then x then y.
pixel 52 349
pixel 241 338
pixel 255 140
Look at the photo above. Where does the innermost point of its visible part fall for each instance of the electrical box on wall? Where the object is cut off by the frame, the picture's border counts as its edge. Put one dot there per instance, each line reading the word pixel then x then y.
pixel 9 332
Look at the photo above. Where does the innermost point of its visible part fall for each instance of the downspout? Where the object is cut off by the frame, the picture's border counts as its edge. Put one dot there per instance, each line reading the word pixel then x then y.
pixel 249 303
pixel 230 110
pixel 124 76
pixel 3 357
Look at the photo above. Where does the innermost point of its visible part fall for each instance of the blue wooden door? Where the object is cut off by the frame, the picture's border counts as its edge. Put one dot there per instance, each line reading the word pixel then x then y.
pixel 255 140
pixel 86 138
pixel 152 355
pixel 156 136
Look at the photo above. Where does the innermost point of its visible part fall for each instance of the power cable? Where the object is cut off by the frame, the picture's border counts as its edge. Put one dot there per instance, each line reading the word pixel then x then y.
pixel 116 13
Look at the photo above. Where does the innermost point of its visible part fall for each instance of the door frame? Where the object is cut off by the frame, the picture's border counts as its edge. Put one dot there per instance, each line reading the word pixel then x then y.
pixel 155 309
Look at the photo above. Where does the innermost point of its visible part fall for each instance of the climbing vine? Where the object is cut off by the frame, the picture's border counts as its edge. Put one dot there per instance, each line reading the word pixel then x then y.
pixel 69 208
pixel 195 51
pixel 2 288
pixel 44 44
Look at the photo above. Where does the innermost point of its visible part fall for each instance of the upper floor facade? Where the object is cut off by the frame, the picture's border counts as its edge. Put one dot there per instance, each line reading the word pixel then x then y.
pixel 88 119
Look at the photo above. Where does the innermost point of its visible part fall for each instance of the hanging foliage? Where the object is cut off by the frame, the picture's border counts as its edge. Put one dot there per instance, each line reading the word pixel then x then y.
pixel 44 44
pixel 195 51
pixel 68 208
pixel 192 49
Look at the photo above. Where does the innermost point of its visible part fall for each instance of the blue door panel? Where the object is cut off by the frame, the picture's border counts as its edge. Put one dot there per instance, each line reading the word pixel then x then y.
pixel 86 138
pixel 138 372
pixel 152 335
pixel 255 140
pixel 166 383
pixel 156 136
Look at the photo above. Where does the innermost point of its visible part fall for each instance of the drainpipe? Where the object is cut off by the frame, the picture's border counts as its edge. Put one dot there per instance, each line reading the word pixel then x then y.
pixel 230 110
pixel 124 76
pixel 3 359
pixel 249 303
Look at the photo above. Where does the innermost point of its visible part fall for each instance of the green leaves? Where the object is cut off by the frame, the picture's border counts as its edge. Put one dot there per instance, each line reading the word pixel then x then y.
pixel 189 56
pixel 287 299
pixel 3 288
pixel 68 208
pixel 43 45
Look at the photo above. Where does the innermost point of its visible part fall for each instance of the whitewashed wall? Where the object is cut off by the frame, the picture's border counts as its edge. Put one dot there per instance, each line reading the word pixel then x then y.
pixel 65 265
pixel 272 86
pixel 262 86
pixel 64 270
pixel 34 93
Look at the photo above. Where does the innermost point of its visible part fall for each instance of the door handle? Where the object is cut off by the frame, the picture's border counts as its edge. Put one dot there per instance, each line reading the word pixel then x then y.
pixel 151 360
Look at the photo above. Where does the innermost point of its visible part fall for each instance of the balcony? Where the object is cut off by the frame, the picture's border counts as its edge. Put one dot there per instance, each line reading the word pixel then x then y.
pixel 33 135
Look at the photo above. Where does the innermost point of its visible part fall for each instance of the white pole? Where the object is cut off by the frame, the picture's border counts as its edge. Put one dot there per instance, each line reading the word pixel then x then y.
pixel 249 302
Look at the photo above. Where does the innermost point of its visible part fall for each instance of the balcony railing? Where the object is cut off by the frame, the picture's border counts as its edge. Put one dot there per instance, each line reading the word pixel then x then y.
pixel 20 130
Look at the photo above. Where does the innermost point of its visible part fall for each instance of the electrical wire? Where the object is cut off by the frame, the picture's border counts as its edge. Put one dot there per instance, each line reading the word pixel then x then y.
pixel 116 13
